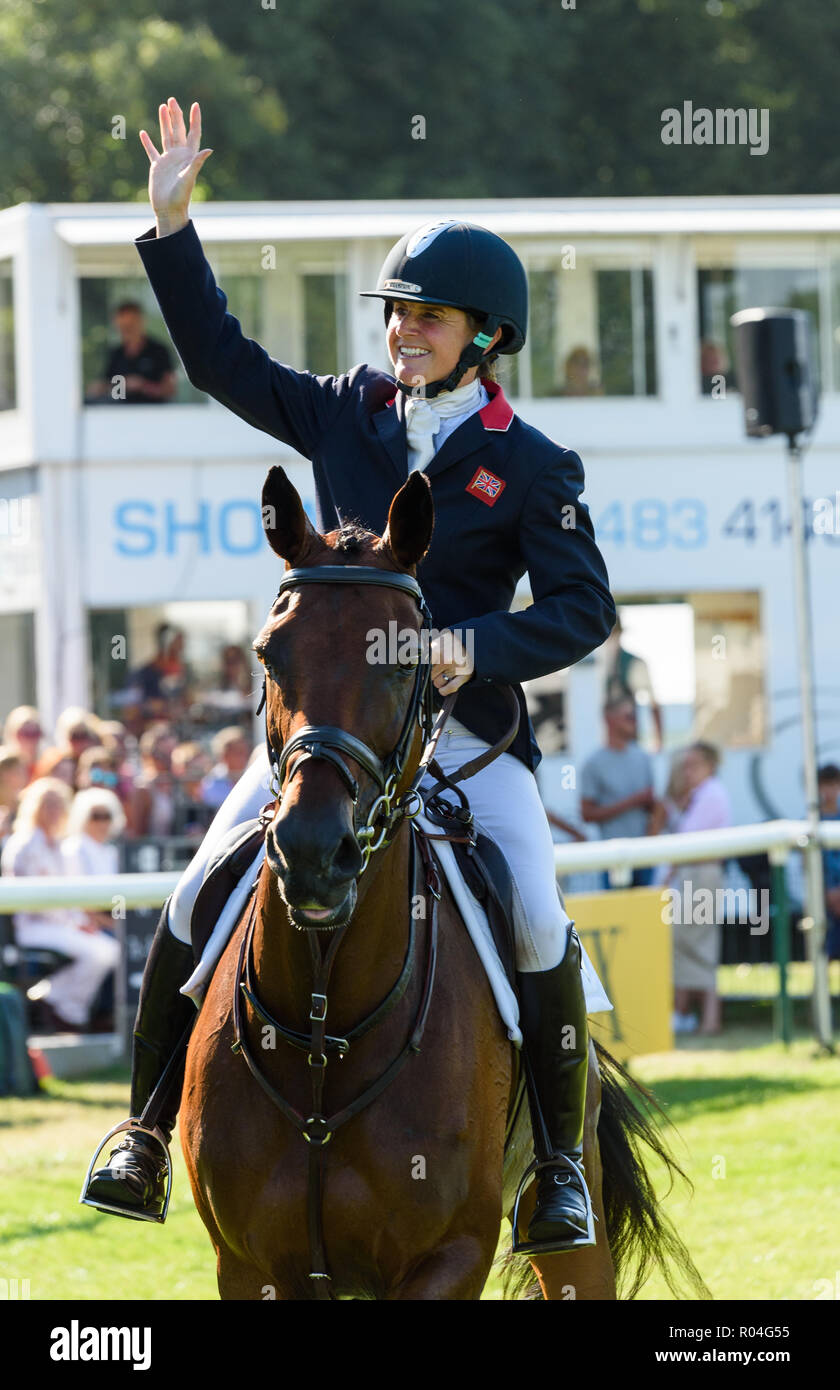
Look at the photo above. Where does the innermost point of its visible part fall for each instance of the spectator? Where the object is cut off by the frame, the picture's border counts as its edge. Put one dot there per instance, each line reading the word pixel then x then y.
pixel 22 732
pixel 828 783
pixel 12 783
pixel 34 849
pixel 714 368
pixel 231 749
pixel 581 377
pixel 76 730
pixel 57 762
pixel 161 687
pixel 96 819
pixel 119 742
pixel 141 366
pixel 190 765
pixel 617 792
pixel 152 809
pixel 696 945
pixel 233 692
pixel 100 767
pixel 628 674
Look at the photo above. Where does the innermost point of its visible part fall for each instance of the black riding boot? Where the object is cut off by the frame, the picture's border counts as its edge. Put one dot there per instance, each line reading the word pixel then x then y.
pixel 553 1019
pixel 133 1181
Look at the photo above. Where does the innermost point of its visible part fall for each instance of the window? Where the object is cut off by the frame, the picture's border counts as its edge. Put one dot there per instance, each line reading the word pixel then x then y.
pixel 17 669
pixel 591 332
pixel 101 294
pixel 188 662
pixel 8 385
pixel 325 347
pixel 698 659
pixel 723 290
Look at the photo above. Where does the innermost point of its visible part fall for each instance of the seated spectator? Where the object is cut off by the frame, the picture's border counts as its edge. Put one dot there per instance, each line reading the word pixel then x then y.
pixel 34 849
pixel 77 729
pixel 234 690
pixel 22 733
pixel 696 945
pixel 139 371
pixel 117 739
pixel 190 765
pixel 95 821
pixel 581 377
pixel 100 767
pixel 714 368
pixel 231 749
pixel 828 783
pixel 152 807
pixel 57 762
pixel 616 788
pixel 161 688
pixel 12 783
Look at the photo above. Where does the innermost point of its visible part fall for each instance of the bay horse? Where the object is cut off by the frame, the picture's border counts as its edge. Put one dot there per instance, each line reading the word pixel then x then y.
pixel 403 1200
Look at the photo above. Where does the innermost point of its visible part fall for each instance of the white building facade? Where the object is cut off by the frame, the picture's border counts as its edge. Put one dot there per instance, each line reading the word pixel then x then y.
pixel 115 517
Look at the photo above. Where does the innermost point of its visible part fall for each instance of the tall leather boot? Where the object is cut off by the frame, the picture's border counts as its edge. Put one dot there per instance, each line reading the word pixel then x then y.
pixel 133 1181
pixel 553 1020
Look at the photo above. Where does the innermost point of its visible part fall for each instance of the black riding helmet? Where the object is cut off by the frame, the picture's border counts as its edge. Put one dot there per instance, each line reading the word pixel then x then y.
pixel 465 267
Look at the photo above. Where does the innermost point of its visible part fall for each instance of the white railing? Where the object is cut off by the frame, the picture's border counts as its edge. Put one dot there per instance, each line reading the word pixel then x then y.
pixel 778 838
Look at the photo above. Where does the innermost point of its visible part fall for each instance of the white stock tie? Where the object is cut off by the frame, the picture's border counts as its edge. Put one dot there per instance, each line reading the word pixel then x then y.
pixel 423 419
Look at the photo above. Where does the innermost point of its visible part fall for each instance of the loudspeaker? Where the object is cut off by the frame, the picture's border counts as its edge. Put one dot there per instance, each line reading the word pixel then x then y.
pixel 778 374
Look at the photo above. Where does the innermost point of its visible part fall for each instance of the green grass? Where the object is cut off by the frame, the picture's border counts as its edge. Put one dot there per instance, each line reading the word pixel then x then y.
pixel 759 1137
pixel 762 1118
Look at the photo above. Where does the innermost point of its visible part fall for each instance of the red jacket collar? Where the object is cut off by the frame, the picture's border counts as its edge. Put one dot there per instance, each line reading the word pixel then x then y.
pixel 497 414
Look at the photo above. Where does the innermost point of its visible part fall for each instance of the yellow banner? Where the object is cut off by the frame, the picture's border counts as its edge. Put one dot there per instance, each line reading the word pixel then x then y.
pixel 630 947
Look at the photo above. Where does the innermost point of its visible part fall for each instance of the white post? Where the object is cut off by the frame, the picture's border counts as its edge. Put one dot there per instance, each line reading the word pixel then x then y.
pixel 814 885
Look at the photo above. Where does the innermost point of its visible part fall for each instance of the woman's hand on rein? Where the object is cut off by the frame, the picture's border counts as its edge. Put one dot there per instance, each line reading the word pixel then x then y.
pixel 452 665
pixel 173 173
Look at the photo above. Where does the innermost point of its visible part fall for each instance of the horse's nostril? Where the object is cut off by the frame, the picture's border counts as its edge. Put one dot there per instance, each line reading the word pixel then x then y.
pixel 347 860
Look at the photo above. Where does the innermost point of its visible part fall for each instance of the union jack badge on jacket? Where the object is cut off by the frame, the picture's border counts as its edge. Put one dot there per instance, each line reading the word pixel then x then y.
pixel 486 486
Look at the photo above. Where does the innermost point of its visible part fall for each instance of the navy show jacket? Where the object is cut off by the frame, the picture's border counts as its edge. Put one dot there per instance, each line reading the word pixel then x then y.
pixel 486 536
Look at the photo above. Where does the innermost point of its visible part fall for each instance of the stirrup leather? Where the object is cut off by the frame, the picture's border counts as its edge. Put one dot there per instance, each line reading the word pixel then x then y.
pixel 521 1246
pixel 113 1207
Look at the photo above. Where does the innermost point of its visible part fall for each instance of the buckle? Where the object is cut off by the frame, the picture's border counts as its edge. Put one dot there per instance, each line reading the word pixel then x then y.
pixel 317 1139
pixel 319 1001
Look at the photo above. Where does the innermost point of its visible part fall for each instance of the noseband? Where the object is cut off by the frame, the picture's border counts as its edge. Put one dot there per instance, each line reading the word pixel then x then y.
pixel 326 741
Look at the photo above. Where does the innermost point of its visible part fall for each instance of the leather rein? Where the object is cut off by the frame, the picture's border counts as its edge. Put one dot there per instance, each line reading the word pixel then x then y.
pixel 387 811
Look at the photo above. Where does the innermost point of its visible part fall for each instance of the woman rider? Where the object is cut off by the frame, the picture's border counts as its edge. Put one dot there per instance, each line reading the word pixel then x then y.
pixel 506 500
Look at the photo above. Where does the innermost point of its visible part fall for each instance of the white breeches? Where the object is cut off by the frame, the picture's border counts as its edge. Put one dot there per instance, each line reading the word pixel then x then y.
pixel 74 987
pixel 506 803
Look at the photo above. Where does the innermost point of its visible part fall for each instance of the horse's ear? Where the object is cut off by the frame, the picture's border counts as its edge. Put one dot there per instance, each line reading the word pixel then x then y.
pixel 287 527
pixel 411 520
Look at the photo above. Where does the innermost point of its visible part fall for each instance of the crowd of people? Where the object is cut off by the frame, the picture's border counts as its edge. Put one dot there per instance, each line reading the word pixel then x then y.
pixel 67 802
pixel 618 797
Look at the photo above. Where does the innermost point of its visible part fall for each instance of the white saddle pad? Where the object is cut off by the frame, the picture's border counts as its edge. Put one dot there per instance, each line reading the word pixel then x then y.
pixel 475 920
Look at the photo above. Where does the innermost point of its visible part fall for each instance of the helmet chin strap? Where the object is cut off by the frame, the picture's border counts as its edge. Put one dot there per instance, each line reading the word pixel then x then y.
pixel 472 355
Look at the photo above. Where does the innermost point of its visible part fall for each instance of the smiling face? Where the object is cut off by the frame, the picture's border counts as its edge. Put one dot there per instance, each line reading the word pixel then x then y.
pixel 426 340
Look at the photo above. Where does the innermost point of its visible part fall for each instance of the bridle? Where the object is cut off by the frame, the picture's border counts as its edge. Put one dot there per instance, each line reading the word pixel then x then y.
pixel 328 742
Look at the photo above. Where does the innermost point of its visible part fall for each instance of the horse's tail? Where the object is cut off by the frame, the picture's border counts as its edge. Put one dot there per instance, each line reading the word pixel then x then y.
pixel 640 1236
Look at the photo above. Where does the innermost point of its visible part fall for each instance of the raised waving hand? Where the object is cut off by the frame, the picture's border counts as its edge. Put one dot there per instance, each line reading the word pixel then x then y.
pixel 173 171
